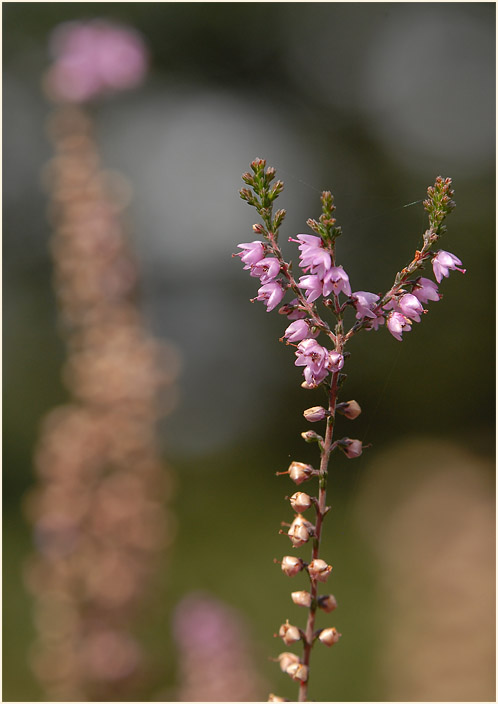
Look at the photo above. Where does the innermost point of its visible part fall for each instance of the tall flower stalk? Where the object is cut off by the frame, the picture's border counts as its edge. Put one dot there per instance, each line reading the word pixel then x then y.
pixel 326 282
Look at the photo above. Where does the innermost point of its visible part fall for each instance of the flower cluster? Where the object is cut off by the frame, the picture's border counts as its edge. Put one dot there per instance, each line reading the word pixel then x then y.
pixel 324 281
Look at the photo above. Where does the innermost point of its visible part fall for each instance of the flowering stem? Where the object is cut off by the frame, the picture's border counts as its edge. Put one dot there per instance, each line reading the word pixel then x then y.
pixel 321 511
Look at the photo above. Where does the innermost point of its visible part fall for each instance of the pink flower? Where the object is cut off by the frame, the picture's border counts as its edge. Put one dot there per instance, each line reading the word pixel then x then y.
pixel 299 330
pixel 313 286
pixel 425 290
pixel 313 255
pixel 336 280
pixel 373 323
pixel 252 253
pixel 271 293
pixel 335 361
pixel 410 306
pixel 397 323
pixel 317 361
pixel 443 262
pixel 364 302
pixel 310 354
pixel 93 58
pixel 266 269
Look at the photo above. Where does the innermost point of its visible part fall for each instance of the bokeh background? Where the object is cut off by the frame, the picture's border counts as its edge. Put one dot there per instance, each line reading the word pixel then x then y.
pixel 371 101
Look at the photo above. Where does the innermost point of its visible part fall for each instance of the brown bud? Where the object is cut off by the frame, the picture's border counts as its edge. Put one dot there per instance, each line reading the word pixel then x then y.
pixel 301 598
pixel 291 565
pixel 319 570
pixel 300 501
pixel 298 672
pixel 300 472
pixel 327 602
pixel 350 409
pixel 329 636
pixel 289 634
pixel 300 531
pixel 286 660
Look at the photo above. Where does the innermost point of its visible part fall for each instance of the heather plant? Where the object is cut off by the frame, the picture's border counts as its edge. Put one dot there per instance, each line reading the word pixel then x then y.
pixel 325 283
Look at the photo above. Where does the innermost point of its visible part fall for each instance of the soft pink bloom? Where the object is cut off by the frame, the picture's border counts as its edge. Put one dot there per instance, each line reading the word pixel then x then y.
pixel 271 294
pixel 266 269
pixel 410 306
pixel 373 323
pixel 336 280
pixel 364 302
pixel 443 262
pixel 317 361
pixel 311 354
pixel 93 58
pixel 313 286
pixel 335 361
pixel 397 323
pixel 314 256
pixel 299 330
pixel 252 253
pixel 425 290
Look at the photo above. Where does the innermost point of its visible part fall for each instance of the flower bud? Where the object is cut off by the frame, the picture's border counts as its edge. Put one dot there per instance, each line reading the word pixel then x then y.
pixel 319 570
pixel 327 602
pixel 298 672
pixel 291 565
pixel 329 636
pixel 300 501
pixel 350 409
pixel 315 413
pixel 351 448
pixel 311 436
pixel 300 531
pixel 286 660
pixel 289 634
pixel 258 229
pixel 300 472
pixel 301 598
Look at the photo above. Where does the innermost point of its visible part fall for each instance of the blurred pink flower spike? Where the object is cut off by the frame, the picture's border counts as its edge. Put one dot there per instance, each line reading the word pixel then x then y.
pixel 94 58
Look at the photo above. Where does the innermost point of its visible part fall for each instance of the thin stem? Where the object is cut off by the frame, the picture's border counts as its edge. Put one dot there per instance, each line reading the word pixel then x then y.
pixel 321 511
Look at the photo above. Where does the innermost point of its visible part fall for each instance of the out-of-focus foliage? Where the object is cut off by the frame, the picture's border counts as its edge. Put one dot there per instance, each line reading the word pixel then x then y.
pixel 371 101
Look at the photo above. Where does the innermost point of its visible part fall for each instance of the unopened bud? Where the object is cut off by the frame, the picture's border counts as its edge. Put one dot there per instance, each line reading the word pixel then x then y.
pixel 300 531
pixel 258 164
pixel 300 501
pixel 329 636
pixel 327 602
pixel 301 598
pixel 319 570
pixel 311 436
pixel 315 414
pixel 291 565
pixel 350 409
pixel 300 472
pixel 258 229
pixel 289 634
pixel 298 672
pixel 286 660
pixel 351 448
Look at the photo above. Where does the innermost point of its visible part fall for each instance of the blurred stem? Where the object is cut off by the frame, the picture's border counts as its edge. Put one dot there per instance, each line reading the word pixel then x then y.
pixel 321 511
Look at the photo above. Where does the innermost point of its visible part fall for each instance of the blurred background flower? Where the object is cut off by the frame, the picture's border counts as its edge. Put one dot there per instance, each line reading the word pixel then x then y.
pixel 371 101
